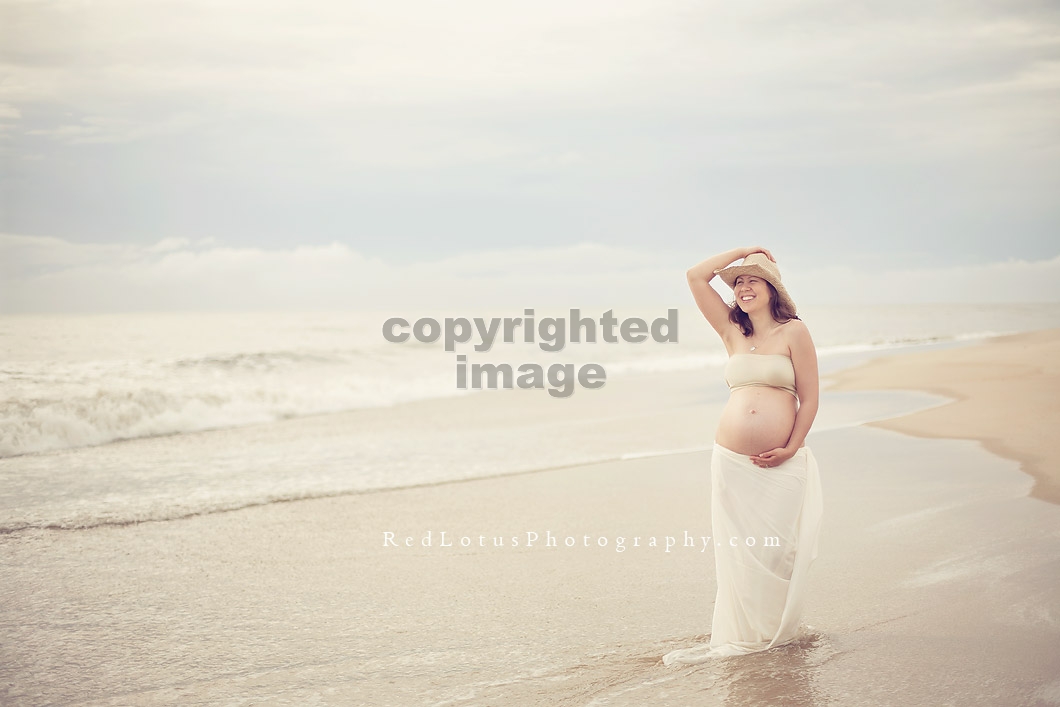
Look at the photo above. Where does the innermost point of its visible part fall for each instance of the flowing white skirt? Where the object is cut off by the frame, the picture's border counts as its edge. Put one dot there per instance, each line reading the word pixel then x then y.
pixel 768 523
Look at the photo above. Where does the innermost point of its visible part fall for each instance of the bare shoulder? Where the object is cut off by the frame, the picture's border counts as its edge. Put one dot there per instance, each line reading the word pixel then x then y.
pixel 796 327
pixel 797 334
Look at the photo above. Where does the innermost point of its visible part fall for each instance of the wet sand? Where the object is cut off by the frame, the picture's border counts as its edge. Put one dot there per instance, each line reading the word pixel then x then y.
pixel 935 584
pixel 1005 391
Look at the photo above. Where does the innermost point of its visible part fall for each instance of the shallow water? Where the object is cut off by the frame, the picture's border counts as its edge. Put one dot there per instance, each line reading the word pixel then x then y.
pixel 124 418
pixel 935 585
pixel 74 381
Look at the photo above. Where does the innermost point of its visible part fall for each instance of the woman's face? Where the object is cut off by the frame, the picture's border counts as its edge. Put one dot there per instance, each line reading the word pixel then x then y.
pixel 752 293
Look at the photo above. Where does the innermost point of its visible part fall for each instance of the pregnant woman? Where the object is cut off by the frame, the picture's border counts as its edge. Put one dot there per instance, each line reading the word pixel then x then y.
pixel 765 490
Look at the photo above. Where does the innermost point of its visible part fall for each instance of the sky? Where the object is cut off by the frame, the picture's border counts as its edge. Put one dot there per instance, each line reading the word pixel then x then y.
pixel 235 154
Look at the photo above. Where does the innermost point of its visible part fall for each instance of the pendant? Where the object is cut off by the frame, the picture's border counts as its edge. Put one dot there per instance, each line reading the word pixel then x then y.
pixel 753 348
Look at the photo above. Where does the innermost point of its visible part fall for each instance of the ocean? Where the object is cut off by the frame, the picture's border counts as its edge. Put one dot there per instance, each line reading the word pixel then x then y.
pixel 111 423
pixel 115 419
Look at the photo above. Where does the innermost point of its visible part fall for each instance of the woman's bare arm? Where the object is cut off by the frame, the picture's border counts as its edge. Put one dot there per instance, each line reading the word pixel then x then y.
pixel 707 298
pixel 807 383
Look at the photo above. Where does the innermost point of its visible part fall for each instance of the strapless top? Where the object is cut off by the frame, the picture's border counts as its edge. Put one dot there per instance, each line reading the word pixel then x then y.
pixel 770 370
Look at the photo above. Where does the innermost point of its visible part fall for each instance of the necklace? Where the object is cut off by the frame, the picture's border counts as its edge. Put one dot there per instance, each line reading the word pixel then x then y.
pixel 755 335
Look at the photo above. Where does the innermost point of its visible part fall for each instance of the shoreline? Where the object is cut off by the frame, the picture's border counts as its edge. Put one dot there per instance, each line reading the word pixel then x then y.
pixel 1003 394
pixel 305 603
pixel 938 393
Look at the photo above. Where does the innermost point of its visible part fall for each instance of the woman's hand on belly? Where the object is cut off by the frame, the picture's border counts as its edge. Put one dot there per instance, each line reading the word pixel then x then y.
pixel 774 457
pixel 757 421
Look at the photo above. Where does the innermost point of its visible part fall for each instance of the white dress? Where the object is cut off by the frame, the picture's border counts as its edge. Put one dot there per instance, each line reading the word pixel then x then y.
pixel 767 522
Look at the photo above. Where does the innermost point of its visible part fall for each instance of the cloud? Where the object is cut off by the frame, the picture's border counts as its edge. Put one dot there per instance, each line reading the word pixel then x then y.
pixel 845 82
pixel 48 274
pixel 103 129
pixel 443 127
pixel 53 275
pixel 1010 281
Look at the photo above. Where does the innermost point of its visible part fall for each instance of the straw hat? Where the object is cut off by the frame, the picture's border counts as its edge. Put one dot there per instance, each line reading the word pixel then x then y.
pixel 759 265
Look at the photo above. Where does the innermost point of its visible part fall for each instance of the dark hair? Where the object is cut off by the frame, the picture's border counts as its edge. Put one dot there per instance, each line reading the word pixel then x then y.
pixel 782 312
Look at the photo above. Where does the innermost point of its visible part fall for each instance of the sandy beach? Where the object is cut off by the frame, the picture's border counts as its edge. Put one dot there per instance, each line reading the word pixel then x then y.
pixel 935 582
pixel 1004 391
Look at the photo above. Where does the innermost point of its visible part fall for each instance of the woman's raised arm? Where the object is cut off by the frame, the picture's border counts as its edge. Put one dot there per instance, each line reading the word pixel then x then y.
pixel 707 298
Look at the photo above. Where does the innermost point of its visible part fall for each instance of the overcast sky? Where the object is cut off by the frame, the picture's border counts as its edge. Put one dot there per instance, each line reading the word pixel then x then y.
pixel 253 153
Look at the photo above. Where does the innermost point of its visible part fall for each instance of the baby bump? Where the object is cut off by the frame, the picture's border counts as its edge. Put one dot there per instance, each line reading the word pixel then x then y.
pixel 756 420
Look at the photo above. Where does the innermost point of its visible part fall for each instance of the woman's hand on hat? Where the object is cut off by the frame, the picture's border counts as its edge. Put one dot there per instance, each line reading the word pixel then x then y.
pixel 761 250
